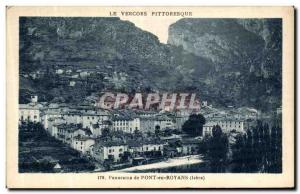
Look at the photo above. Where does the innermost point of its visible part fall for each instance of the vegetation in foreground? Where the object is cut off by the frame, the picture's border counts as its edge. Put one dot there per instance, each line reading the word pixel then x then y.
pixel 39 152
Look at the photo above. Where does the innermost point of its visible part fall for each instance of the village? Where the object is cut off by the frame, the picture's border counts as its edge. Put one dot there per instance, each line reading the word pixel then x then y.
pixel 117 139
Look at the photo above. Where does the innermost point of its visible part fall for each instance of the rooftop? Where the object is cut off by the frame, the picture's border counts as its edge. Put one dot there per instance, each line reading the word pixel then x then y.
pixel 190 141
pixel 30 106
pixel 111 143
pixel 83 138
pixel 138 143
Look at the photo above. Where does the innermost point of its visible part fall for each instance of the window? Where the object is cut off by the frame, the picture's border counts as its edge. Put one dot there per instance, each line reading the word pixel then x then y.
pixel 120 150
pixel 35 117
pixel 109 150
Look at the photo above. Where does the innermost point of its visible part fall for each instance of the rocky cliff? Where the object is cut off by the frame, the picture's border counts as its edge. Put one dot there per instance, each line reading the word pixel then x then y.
pixel 245 55
pixel 226 61
pixel 129 58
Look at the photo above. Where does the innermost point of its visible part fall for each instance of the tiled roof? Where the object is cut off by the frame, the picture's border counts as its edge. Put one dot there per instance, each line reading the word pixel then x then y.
pixel 135 143
pixel 122 118
pixel 83 138
pixel 190 141
pixel 30 106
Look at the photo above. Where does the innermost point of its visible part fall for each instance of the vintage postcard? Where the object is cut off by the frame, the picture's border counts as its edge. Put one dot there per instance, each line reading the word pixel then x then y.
pixel 150 97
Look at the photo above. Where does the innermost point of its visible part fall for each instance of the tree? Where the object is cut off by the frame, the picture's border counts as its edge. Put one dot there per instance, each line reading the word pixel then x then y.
pixel 194 125
pixel 217 150
pixel 276 150
pixel 167 132
pixel 259 150
pixel 126 156
pixel 157 130
pixel 175 144
pixel 149 134
pixel 248 150
pixel 105 132
pixel 240 155
pixel 137 134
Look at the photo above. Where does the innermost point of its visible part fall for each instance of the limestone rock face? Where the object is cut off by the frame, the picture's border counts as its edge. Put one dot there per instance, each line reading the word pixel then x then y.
pixel 245 54
pixel 225 61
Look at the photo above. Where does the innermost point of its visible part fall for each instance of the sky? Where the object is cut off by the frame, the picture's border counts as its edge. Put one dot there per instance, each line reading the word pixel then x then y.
pixel 156 25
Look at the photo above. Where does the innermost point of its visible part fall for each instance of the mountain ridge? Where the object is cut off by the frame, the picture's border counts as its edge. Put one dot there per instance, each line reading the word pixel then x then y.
pixel 128 59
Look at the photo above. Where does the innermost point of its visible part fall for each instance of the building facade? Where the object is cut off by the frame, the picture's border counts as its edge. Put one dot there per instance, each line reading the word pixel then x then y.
pixel 126 124
pixel 29 112
pixel 83 144
pixel 112 151
pixel 227 125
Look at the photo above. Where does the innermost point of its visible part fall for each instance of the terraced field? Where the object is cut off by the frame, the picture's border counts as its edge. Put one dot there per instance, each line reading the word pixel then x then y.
pixel 39 152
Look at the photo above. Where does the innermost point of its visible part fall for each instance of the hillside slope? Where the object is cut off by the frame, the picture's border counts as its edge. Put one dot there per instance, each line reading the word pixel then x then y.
pixel 225 61
pixel 246 55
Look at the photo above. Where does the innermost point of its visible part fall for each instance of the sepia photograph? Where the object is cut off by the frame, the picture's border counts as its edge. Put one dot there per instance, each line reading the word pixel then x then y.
pixel 144 92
